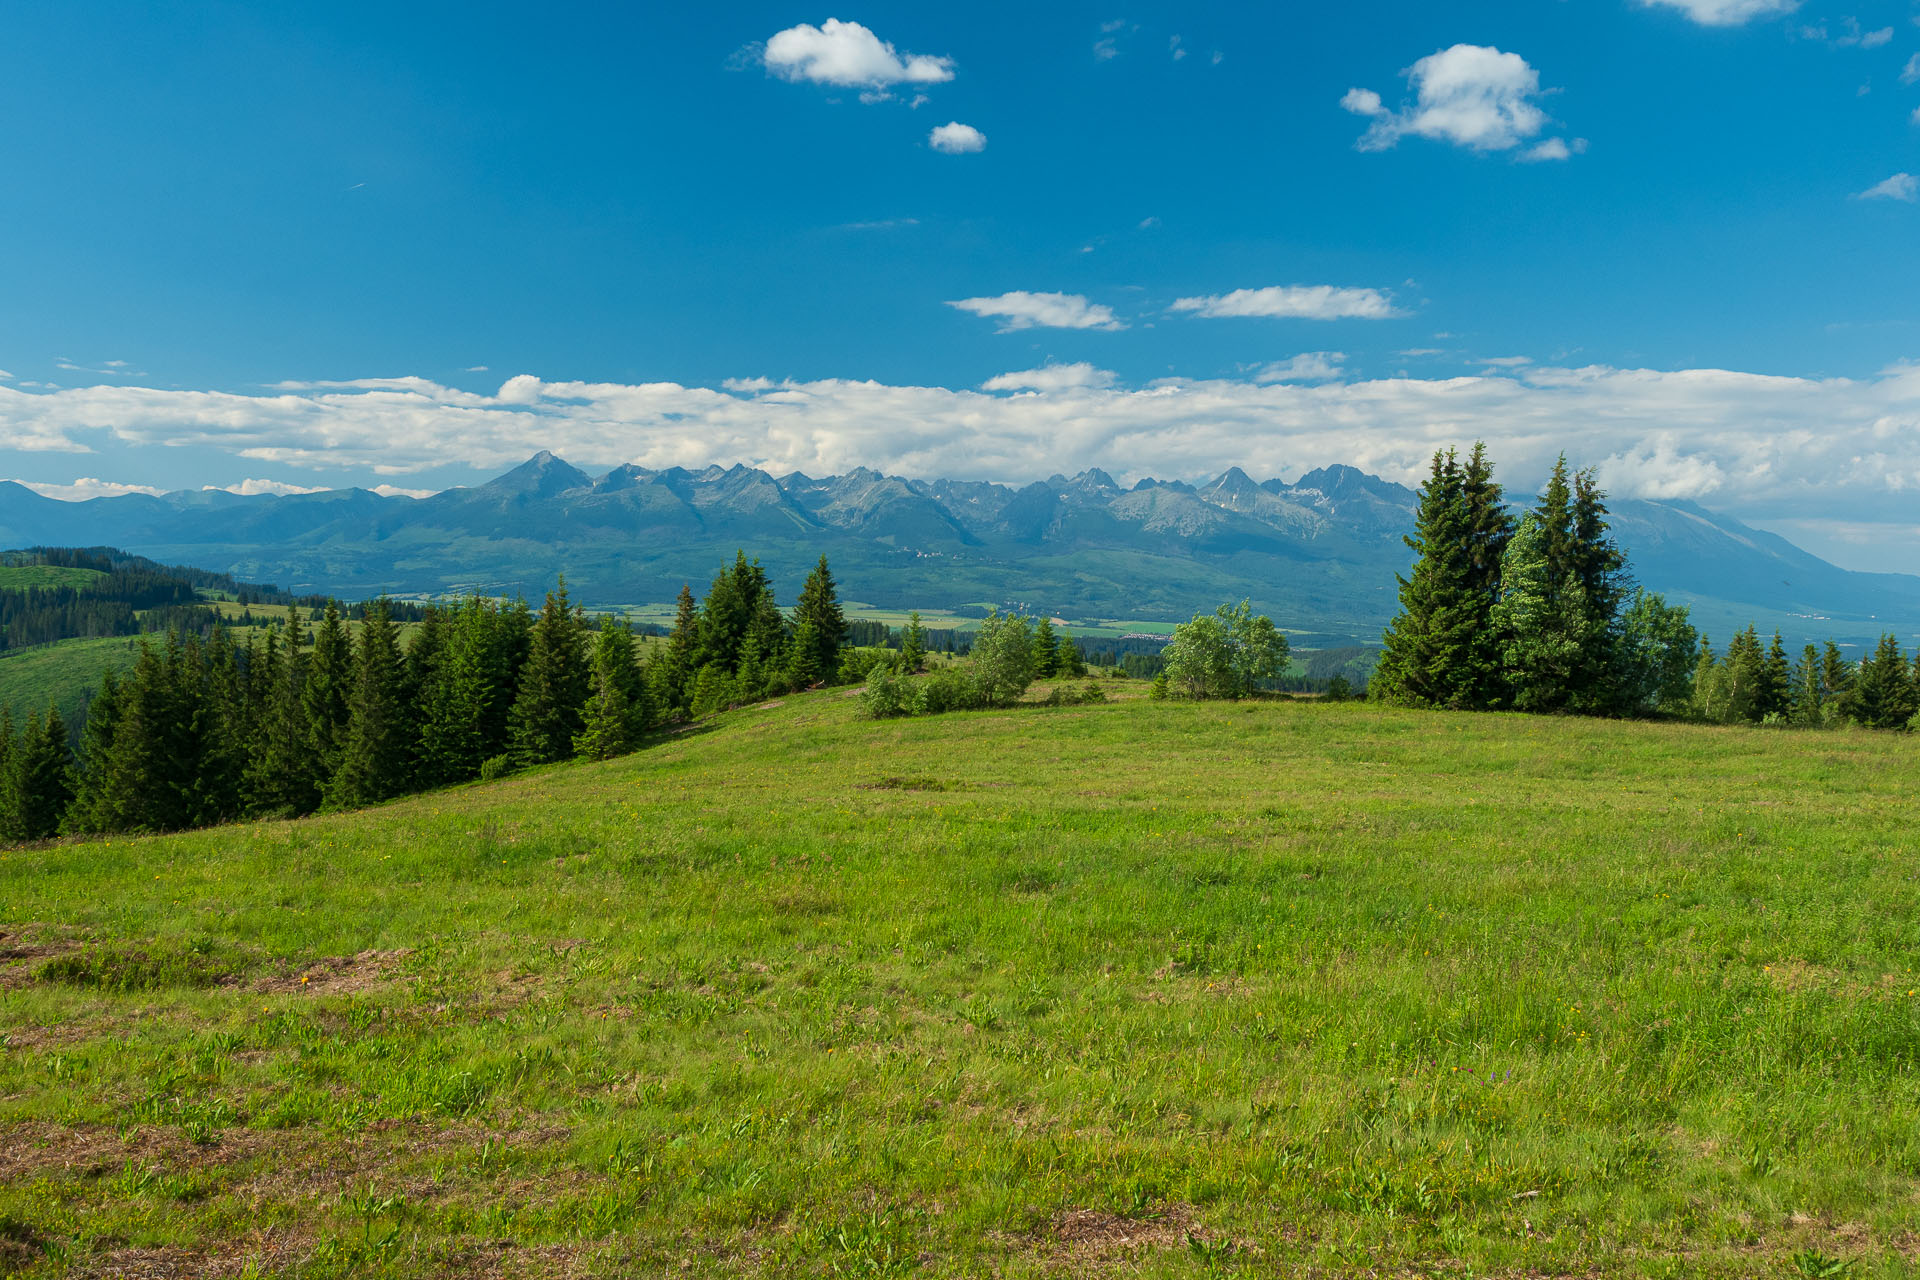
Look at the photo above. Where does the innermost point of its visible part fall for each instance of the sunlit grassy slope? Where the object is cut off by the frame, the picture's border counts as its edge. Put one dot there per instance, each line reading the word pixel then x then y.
pixel 1130 989
pixel 64 673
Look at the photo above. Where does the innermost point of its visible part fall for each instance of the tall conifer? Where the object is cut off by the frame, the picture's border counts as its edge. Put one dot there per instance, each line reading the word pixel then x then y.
pixel 819 606
pixel 377 760
pixel 547 714
pixel 1428 657
pixel 330 676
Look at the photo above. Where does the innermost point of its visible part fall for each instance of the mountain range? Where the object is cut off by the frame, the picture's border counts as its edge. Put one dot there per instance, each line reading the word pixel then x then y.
pixel 1319 554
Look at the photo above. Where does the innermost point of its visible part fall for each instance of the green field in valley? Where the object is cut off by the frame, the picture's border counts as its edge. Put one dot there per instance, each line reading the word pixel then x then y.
pixel 1130 989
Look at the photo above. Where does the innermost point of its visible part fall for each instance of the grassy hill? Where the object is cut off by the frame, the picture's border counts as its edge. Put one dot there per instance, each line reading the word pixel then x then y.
pixel 64 672
pixel 1128 989
pixel 23 577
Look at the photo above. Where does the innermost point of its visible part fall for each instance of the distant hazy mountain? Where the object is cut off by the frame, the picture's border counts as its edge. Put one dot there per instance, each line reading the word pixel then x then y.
pixel 1319 554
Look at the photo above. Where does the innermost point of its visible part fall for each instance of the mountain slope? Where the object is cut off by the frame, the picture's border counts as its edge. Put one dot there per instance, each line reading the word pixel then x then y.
pixel 1319 553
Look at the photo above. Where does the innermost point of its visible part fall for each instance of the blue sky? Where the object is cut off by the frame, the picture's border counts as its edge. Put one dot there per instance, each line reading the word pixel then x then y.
pixel 1180 237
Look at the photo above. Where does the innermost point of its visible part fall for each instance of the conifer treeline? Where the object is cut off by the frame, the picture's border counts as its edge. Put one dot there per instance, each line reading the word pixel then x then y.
pixel 1539 614
pixel 1542 614
pixel 207 729
pixel 1755 685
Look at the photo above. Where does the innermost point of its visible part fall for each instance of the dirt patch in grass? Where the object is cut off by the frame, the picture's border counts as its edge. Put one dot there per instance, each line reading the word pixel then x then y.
pixel 24 947
pixel 906 784
pixel 1083 1238
pixel 340 975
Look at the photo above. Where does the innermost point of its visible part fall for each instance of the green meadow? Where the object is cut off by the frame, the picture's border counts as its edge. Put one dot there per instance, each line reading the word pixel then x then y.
pixel 1130 989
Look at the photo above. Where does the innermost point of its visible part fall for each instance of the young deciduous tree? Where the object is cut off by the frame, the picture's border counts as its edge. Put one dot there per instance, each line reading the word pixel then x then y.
pixel 1002 659
pixel 1226 654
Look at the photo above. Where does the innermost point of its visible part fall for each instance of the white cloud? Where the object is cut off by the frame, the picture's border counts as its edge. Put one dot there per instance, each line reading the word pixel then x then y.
pixel 1874 39
pixel 1901 186
pixel 954 138
pixel 254 488
pixel 1023 310
pixel 5 376
pixel 1551 149
pixel 1309 366
pixel 1910 74
pixel 1725 13
pixel 1916 115
pixel 1507 362
pixel 1053 377
pixel 1297 302
pixel 391 491
pixel 87 487
pixel 1757 445
pixel 1471 95
pixel 476 368
pixel 849 55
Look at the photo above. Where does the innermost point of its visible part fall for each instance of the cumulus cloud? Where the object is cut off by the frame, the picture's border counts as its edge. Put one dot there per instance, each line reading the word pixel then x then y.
pixel 1725 13
pixel 848 55
pixel 1053 377
pixel 1901 186
pixel 1294 302
pixel 954 138
pixel 1308 366
pixel 1764 447
pixel 1023 310
pixel 1471 95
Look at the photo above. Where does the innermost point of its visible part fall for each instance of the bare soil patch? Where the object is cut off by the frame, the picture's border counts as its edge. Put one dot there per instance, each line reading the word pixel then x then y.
pixel 340 975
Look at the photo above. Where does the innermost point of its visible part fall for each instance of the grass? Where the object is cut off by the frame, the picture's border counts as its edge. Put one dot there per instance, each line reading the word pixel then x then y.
pixel 1134 989
pixel 22 577
pixel 64 673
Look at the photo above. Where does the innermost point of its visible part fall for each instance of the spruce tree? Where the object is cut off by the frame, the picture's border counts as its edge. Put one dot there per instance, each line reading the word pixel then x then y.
pixel 38 779
pixel 282 777
pixel 454 704
pixel 330 677
pixel 1046 650
pixel 1774 695
pixel 1809 695
pixel 673 667
pixel 554 684
pixel 1883 694
pixel 1541 621
pixel 819 609
pixel 613 722
pixel 149 770
pixel 87 811
pixel 377 760
pixel 1428 655
pixel 1489 528
pixel 10 823
pixel 1836 674
pixel 803 655
pixel 913 644
pixel 1600 568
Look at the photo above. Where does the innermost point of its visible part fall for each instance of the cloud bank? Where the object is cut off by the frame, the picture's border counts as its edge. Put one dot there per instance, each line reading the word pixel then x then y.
pixel 1750 443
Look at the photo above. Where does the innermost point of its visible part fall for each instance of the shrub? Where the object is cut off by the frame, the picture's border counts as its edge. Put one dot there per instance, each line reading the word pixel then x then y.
pixel 857 664
pixel 1158 692
pixel 887 694
pixel 1068 696
pixel 498 767
pixel 946 689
